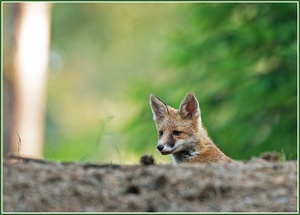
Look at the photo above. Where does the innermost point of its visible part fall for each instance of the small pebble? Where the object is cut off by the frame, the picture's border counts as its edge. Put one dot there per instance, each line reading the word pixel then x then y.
pixel 147 160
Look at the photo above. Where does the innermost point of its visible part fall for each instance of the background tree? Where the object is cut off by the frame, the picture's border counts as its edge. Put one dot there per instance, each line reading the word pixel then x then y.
pixel 105 60
pixel 28 75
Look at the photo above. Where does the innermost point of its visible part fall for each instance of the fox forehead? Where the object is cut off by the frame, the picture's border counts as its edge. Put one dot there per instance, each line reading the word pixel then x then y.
pixel 174 121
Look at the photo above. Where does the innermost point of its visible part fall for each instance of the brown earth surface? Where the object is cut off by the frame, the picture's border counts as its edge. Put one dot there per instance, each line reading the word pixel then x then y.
pixel 252 186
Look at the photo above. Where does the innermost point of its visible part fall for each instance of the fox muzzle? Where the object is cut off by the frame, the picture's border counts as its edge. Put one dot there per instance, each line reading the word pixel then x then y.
pixel 164 149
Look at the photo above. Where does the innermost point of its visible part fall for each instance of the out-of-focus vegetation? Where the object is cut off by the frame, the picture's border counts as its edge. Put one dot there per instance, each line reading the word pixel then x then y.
pixel 239 59
pixel 102 54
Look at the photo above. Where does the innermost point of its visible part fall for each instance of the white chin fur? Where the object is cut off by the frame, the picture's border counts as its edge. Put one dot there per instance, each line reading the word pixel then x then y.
pixel 167 150
pixel 176 148
pixel 186 145
pixel 179 146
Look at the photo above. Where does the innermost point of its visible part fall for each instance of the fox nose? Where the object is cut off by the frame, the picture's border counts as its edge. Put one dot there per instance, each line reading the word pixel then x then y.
pixel 160 147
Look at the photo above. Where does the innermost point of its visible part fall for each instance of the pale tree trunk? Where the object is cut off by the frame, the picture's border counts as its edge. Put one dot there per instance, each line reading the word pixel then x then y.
pixel 30 65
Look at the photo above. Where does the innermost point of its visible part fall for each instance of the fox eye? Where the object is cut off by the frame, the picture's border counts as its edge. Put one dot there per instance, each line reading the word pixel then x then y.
pixel 176 133
pixel 160 133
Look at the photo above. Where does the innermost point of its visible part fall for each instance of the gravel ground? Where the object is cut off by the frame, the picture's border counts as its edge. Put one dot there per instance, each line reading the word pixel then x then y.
pixel 252 186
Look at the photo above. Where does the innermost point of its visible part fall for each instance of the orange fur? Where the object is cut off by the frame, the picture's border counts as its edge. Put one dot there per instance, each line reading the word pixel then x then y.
pixel 181 132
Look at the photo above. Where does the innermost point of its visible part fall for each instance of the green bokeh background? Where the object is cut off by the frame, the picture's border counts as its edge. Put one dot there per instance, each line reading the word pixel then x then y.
pixel 240 60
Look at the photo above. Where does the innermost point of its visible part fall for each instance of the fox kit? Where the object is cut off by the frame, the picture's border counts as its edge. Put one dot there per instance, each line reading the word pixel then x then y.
pixel 181 134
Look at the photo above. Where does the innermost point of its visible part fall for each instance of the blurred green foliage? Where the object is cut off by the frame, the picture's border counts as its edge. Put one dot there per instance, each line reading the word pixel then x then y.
pixel 102 57
pixel 241 62
pixel 107 58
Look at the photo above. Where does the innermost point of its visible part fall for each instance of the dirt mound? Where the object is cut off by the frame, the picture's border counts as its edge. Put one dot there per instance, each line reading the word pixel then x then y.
pixel 256 185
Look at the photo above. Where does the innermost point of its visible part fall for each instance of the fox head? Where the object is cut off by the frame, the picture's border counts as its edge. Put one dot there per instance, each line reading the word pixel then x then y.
pixel 178 130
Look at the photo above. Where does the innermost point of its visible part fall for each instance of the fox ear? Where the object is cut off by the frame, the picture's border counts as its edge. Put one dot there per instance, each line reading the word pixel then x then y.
pixel 189 107
pixel 159 109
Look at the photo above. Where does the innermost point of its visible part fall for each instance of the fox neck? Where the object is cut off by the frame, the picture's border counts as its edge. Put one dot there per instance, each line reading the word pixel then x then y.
pixel 202 141
pixel 184 156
